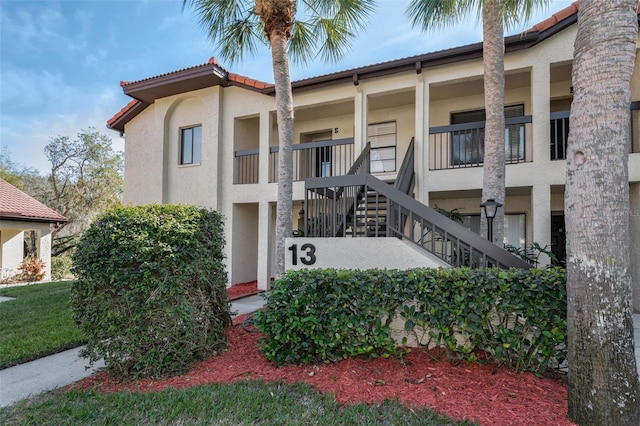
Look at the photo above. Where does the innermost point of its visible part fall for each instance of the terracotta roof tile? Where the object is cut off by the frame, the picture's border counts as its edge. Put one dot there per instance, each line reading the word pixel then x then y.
pixel 122 112
pixel 248 82
pixel 15 204
pixel 555 18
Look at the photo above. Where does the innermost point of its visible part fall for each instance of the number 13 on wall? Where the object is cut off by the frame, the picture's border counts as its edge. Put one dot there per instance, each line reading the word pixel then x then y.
pixel 307 257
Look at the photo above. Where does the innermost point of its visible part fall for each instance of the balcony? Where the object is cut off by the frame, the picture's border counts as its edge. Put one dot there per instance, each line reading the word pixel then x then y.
pixel 560 132
pixel 312 159
pixel 462 145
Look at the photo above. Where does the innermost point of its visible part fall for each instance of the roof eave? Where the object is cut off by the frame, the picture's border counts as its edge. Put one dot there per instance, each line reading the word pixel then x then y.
pixel 19 218
pixel 147 91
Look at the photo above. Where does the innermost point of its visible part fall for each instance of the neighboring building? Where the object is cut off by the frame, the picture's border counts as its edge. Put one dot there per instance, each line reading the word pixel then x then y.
pixel 20 212
pixel 207 136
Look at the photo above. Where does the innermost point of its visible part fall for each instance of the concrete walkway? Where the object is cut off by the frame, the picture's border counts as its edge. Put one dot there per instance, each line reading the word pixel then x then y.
pixel 64 368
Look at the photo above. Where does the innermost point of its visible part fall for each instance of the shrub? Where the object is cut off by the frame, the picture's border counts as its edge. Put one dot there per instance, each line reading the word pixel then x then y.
pixel 61 267
pixel 514 317
pixel 31 269
pixel 150 293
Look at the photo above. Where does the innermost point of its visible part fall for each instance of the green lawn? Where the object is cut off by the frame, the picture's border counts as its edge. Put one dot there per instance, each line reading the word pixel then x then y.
pixel 37 323
pixel 241 403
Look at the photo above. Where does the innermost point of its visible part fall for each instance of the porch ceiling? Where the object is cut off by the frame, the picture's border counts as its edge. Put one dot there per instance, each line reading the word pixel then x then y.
pixel 461 88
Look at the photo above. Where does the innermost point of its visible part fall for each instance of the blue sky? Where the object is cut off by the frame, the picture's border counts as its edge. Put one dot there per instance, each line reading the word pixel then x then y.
pixel 61 62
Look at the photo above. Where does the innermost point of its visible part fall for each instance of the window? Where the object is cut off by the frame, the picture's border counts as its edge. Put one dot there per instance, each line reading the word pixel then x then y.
pixel 467 146
pixel 514 227
pixel 191 145
pixel 382 137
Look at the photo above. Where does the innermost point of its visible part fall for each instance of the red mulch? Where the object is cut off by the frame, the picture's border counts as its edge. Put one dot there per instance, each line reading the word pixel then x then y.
pixel 489 395
pixel 237 291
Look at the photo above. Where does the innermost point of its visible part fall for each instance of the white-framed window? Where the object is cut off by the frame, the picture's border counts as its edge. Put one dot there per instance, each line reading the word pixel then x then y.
pixel 515 227
pixel 191 145
pixel 382 137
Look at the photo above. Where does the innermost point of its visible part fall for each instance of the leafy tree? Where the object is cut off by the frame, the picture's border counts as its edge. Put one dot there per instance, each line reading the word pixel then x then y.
pixel 496 15
pixel 603 380
pixel 12 172
pixel 85 180
pixel 324 30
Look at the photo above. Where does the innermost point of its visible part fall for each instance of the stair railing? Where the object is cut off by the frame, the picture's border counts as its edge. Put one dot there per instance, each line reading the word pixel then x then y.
pixel 412 221
pixel 331 219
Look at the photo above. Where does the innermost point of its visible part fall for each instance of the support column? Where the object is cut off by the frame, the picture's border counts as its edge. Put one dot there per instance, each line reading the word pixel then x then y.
pixel 360 125
pixel 540 87
pixel 541 221
pixel 44 251
pixel 265 237
pixel 634 242
pixel 422 140
pixel 263 144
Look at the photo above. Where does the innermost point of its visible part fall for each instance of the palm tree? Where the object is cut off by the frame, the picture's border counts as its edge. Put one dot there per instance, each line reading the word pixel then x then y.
pixel 603 380
pixel 236 26
pixel 496 14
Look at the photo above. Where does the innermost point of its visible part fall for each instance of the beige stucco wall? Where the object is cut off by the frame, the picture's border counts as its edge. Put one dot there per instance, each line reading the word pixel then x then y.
pixel 237 119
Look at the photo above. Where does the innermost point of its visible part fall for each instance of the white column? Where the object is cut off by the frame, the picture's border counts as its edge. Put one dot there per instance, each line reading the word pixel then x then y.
pixel 540 87
pixel 541 212
pixel 422 140
pixel 44 251
pixel 360 121
pixel 265 218
pixel 265 131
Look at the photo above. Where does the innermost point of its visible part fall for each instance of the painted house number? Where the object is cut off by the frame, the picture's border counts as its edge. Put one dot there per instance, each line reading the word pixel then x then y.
pixel 308 257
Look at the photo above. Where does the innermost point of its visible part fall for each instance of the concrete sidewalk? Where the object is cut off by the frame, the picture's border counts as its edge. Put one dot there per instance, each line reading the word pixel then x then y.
pixel 61 369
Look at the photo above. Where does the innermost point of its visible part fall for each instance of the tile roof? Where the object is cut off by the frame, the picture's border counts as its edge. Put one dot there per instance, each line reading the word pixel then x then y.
pixel 557 17
pixel 538 32
pixel 233 78
pixel 123 111
pixel 16 205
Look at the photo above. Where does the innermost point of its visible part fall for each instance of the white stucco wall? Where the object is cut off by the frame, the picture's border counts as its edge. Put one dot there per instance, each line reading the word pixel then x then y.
pixel 357 253
pixel 12 246
pixel 12 241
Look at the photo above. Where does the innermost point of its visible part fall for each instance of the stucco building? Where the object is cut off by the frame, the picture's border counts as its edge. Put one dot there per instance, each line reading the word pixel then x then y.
pixel 207 136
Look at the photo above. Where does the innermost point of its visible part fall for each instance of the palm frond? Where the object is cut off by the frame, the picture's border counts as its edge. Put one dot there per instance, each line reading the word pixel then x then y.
pixel 230 24
pixel 517 11
pixel 302 45
pixel 329 28
pixel 438 14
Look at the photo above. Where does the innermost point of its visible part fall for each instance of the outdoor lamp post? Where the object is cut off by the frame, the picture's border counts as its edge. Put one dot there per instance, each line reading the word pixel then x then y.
pixel 490 208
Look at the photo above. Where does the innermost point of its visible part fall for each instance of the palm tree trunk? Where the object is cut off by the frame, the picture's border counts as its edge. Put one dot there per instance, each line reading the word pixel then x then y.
pixel 284 108
pixel 603 380
pixel 493 179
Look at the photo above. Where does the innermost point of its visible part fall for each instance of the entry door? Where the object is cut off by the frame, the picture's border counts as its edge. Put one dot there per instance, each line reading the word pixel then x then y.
pixel 559 239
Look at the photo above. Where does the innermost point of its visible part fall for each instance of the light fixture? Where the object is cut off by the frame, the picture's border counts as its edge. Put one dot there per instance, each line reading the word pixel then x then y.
pixel 490 209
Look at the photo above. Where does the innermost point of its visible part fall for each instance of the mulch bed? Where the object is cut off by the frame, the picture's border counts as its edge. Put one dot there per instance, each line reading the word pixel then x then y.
pixel 238 291
pixel 488 394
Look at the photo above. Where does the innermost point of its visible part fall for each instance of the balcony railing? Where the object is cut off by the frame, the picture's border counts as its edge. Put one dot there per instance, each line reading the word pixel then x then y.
pixel 462 145
pixel 560 132
pixel 316 159
pixel 246 166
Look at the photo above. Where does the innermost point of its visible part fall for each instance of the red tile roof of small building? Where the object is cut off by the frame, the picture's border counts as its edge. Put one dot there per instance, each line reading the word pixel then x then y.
pixel 17 205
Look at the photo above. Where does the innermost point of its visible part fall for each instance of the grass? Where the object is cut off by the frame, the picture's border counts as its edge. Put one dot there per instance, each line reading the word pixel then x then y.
pixel 241 403
pixel 37 323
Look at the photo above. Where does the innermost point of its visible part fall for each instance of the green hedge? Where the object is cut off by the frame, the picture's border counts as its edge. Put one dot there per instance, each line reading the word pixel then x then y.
pixel 515 317
pixel 150 293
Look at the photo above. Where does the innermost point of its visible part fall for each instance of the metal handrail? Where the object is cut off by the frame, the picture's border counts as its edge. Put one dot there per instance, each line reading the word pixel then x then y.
pixel 448 240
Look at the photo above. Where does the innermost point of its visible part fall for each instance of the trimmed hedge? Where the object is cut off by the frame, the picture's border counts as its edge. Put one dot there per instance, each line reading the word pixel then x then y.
pixel 150 293
pixel 515 317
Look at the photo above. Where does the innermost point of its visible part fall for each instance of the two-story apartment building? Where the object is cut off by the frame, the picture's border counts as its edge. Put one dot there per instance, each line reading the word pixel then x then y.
pixel 207 136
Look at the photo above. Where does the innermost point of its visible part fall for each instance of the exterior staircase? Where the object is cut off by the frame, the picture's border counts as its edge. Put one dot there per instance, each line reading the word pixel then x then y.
pixel 358 205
